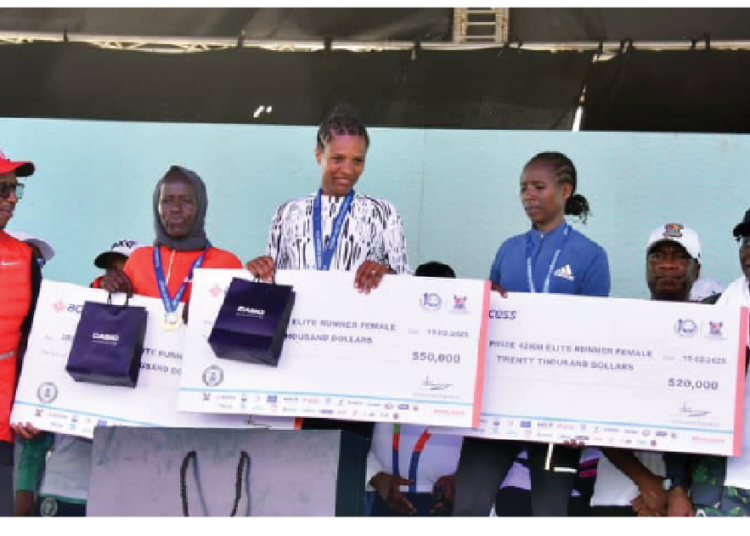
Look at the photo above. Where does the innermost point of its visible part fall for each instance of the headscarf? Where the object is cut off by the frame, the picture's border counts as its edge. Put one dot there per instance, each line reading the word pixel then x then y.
pixel 196 238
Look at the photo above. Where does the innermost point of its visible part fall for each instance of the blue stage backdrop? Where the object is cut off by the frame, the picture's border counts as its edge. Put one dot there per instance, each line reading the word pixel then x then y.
pixel 457 191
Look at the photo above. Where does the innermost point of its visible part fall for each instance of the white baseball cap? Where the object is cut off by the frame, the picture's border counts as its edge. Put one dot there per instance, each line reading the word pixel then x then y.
pixel 676 232
pixel 123 247
pixel 44 247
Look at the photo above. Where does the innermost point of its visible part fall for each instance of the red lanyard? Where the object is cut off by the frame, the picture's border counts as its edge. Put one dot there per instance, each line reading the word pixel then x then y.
pixel 416 453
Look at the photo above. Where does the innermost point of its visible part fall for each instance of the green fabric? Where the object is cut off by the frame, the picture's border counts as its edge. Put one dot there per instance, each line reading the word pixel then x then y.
pixel 63 499
pixel 735 502
pixel 31 464
pixel 709 470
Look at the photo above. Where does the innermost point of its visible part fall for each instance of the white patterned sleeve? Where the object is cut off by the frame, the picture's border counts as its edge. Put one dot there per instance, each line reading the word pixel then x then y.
pixel 394 242
pixel 274 234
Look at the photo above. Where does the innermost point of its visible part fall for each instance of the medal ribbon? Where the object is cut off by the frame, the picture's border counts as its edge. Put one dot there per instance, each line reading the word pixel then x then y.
pixel 324 256
pixel 171 303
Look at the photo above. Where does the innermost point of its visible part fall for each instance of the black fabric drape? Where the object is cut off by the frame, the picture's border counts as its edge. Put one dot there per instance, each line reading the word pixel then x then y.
pixel 494 88
pixel 677 91
pixel 359 24
pixel 552 25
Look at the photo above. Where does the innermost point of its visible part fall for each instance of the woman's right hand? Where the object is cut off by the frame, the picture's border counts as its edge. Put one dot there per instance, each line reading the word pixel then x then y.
pixel 388 487
pixel 501 290
pixel 117 281
pixel 262 267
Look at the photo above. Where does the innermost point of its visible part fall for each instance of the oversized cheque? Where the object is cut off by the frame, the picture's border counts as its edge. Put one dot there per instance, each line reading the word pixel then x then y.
pixel 410 351
pixel 614 372
pixel 51 400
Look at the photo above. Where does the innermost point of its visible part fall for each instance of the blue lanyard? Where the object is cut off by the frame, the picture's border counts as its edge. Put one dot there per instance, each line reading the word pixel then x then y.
pixel 416 453
pixel 529 271
pixel 324 256
pixel 171 304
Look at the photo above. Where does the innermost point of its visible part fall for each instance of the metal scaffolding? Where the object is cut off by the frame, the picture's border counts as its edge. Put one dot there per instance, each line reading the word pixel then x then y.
pixel 498 39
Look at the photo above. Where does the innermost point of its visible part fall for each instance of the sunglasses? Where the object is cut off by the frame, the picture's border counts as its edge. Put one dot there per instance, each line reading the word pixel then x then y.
pixel 7 187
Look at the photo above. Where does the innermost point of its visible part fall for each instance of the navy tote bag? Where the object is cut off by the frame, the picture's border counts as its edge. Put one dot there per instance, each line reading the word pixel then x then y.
pixel 108 344
pixel 252 322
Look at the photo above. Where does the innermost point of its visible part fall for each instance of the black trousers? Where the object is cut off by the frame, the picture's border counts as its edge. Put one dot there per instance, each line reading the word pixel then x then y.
pixel 484 464
pixel 613 511
pixel 6 479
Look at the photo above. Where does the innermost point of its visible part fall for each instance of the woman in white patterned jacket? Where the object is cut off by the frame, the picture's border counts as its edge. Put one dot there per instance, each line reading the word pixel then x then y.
pixel 335 228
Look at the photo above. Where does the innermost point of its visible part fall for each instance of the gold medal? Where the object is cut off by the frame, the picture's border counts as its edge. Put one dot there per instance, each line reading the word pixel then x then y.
pixel 171 322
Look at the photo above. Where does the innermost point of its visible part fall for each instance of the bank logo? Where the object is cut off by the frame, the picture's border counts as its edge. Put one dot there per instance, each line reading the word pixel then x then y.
pixel 213 376
pixel 216 291
pixel 47 392
pixel 430 301
pixel 685 327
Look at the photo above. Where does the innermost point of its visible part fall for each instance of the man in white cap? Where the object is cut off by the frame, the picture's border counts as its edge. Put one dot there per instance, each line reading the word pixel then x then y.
pixel 630 482
pixel 42 250
pixel 718 486
pixel 20 280
pixel 114 258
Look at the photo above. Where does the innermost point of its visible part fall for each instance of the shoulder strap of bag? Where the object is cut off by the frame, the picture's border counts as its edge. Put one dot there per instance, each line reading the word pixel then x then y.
pixel 192 455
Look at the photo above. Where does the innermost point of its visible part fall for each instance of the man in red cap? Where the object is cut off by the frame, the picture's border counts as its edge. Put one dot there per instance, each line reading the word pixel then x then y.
pixel 20 279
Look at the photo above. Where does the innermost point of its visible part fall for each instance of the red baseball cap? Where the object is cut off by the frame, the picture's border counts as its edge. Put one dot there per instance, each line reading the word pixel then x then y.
pixel 22 169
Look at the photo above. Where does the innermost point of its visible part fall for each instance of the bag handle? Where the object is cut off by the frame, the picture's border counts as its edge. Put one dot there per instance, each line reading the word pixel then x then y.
pixel 256 279
pixel 192 455
pixel 127 299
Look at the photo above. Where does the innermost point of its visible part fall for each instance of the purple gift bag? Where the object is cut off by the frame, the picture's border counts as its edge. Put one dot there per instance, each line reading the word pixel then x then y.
pixel 108 344
pixel 252 322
